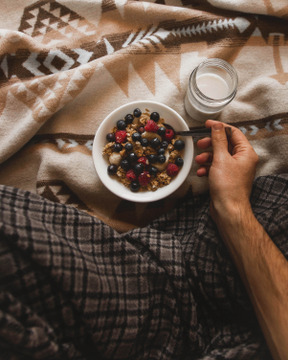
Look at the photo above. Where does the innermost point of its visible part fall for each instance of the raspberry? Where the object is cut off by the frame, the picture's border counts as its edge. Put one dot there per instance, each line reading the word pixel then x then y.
pixel 172 169
pixel 130 175
pixel 169 134
pixel 151 126
pixel 120 136
pixel 143 160
pixel 144 178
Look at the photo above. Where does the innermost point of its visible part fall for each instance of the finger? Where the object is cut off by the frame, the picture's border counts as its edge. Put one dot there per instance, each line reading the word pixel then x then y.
pixel 237 135
pixel 204 158
pixel 210 123
pixel 202 171
pixel 219 140
pixel 204 143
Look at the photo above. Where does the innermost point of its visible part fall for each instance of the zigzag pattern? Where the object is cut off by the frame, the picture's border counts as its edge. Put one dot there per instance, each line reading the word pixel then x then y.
pixel 241 24
pixel 266 127
pixel 153 36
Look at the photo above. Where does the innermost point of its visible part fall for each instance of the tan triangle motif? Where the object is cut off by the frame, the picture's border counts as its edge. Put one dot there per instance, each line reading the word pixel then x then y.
pixel 25 96
pixel 80 77
pixel 168 62
pixel 119 73
pixel 147 76
pixel 256 41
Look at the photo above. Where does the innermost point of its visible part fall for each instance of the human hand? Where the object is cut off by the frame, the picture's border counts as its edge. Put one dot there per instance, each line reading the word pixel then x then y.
pixel 230 175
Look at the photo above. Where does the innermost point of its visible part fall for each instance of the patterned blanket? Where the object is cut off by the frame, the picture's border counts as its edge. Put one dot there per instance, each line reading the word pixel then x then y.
pixel 71 287
pixel 66 64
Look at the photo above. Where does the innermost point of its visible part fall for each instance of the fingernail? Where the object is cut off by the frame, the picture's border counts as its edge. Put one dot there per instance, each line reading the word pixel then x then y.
pixel 218 126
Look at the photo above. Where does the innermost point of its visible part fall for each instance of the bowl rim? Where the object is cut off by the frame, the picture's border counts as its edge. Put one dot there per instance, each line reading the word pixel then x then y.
pixel 115 186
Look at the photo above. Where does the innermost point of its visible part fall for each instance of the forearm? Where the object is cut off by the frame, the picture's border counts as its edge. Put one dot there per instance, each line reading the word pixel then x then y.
pixel 264 271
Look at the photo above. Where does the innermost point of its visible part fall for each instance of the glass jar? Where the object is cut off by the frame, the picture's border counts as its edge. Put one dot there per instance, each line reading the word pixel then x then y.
pixel 212 85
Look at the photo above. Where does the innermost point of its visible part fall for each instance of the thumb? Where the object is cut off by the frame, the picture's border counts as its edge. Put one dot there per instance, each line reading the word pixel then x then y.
pixel 219 140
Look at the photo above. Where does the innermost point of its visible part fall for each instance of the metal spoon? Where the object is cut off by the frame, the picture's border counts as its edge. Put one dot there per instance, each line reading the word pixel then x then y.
pixel 198 132
pixel 202 132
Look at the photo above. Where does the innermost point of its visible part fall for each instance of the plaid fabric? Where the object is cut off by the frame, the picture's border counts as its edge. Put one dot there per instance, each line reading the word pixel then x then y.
pixel 73 288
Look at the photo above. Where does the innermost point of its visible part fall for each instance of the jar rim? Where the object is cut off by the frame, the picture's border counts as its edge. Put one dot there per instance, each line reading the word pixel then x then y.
pixel 220 63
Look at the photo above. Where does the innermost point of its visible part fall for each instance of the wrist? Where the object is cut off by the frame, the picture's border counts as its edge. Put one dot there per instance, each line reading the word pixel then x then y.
pixel 234 220
pixel 231 212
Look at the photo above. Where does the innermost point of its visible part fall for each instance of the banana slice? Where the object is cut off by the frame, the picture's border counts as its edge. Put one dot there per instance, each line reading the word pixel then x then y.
pixel 162 166
pixel 150 135
pixel 115 158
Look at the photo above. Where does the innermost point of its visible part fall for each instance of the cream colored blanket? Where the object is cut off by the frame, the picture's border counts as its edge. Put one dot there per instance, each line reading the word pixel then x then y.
pixel 66 64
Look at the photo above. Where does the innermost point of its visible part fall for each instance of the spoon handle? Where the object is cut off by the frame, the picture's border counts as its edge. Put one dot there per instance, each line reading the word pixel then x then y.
pixel 202 132
pixel 198 132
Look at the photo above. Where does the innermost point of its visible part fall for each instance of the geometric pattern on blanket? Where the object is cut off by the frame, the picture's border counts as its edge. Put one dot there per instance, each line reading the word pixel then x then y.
pixel 59 192
pixel 50 21
pixel 73 288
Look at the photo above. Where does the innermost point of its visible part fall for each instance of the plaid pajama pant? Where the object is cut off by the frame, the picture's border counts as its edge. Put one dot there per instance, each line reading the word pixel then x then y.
pixel 73 288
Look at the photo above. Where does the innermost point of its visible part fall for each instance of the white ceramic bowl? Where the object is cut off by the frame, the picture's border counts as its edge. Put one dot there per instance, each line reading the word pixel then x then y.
pixel 171 117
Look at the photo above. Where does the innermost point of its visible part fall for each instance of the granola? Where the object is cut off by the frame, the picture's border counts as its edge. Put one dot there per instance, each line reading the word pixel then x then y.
pixel 143 152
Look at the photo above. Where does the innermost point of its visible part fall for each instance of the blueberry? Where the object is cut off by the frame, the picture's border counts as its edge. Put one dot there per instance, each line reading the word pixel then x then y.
pixel 164 144
pixel 179 161
pixel 112 169
pixel 152 158
pixel 144 142
pixel 155 116
pixel 161 151
pixel 137 112
pixel 125 164
pixel 161 159
pixel 153 171
pixel 129 119
pixel 179 144
pixel 134 186
pixel 128 146
pixel 117 147
pixel 110 137
pixel 138 168
pixel 161 131
pixel 155 142
pixel 132 157
pixel 121 125
pixel 136 136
